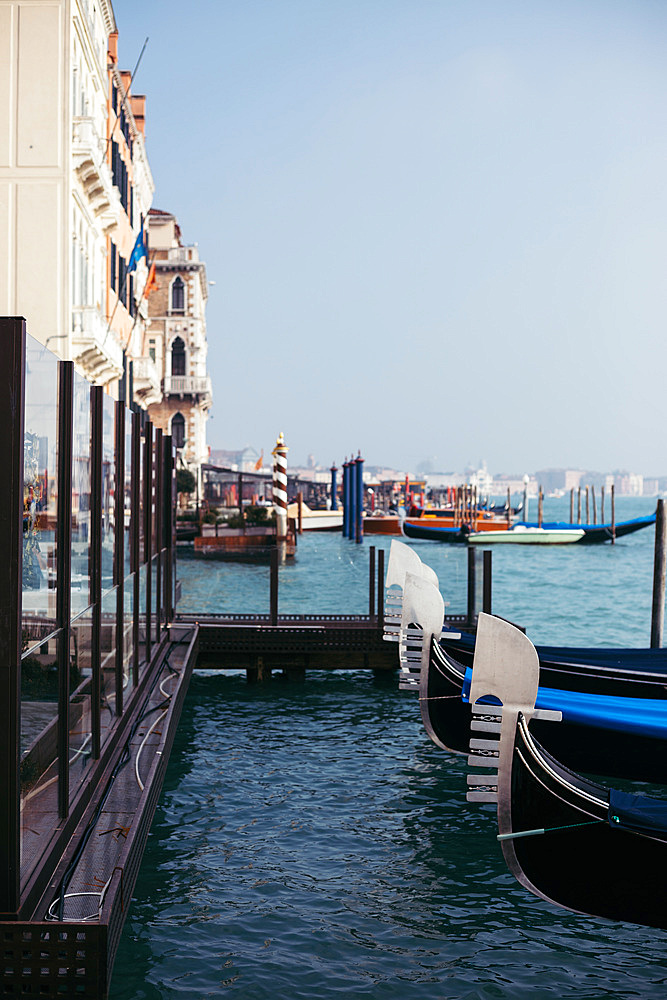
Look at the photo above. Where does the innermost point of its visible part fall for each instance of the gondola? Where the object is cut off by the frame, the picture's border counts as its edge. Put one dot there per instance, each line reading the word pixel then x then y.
pixel 589 533
pixel 567 839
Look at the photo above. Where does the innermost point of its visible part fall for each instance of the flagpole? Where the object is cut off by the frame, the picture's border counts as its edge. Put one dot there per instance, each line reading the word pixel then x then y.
pixel 143 292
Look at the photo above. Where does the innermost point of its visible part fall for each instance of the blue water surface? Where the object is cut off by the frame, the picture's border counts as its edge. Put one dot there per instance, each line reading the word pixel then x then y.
pixel 310 841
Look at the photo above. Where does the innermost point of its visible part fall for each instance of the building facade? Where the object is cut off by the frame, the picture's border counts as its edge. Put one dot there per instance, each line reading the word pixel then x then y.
pixel 176 339
pixel 75 184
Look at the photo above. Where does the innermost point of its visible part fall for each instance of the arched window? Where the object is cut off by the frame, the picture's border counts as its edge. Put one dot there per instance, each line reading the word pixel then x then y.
pixel 178 430
pixel 178 357
pixel 178 295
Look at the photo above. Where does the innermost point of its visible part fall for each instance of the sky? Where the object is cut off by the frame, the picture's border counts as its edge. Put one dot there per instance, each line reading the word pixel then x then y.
pixel 437 228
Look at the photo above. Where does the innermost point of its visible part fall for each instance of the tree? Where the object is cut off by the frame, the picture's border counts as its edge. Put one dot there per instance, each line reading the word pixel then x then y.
pixel 185 481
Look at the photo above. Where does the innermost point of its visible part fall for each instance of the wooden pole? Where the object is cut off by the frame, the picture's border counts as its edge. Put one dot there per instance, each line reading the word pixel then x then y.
pixel 613 514
pixel 572 505
pixel 380 590
pixel 371 583
pixel 595 513
pixel 299 500
pixel 579 505
pixel 659 570
pixel 487 582
pixel 540 498
pixel 509 512
pixel 602 505
pixel 273 586
pixel 588 515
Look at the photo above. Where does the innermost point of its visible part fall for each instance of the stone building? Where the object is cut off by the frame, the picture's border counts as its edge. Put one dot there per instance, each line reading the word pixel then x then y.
pixel 75 184
pixel 176 339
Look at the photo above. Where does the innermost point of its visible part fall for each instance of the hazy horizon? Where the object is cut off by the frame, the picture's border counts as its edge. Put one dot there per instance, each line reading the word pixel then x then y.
pixel 436 230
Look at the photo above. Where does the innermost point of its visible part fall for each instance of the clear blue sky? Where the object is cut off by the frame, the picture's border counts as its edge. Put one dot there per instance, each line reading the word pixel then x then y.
pixel 438 228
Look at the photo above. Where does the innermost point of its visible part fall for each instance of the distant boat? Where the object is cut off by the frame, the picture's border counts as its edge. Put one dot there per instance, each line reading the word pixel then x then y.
pixel 524 534
pixel 316 520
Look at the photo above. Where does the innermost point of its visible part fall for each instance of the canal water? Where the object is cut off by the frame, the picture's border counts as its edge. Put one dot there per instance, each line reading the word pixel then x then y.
pixel 310 841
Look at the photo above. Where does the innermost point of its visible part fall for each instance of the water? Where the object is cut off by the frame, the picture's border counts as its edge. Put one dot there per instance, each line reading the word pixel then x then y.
pixel 310 841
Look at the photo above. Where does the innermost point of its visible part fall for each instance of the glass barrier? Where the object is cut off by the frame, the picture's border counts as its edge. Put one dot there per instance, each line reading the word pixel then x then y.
pixel 80 702
pixel 108 490
pixel 155 597
pixel 108 662
pixel 81 483
pixel 39 749
pixel 128 636
pixel 40 481
pixel 143 574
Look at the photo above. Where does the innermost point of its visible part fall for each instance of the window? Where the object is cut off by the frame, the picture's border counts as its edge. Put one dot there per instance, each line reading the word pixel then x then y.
pixel 178 430
pixel 178 295
pixel 151 350
pixel 178 357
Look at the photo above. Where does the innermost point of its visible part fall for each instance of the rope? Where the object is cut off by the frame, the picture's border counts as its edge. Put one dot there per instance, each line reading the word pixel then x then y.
pixel 549 829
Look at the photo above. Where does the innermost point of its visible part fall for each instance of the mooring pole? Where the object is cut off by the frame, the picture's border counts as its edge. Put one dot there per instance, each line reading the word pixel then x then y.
pixel 299 500
pixel 334 487
pixel 540 500
pixel 613 514
pixel 273 587
pixel 346 498
pixel 280 494
pixel 588 513
pixel 659 567
pixel 487 582
pixel 595 510
pixel 579 505
pixel 472 585
pixel 359 470
pixel 371 583
pixel 572 505
pixel 380 590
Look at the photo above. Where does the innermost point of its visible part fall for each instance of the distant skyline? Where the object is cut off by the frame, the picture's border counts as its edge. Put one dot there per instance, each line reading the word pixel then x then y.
pixel 436 229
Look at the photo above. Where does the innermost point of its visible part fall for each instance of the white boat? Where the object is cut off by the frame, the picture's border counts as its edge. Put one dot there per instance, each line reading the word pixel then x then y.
pixel 521 534
pixel 316 520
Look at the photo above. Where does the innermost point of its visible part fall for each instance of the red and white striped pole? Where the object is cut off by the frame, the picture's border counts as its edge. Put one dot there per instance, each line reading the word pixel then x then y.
pixel 280 487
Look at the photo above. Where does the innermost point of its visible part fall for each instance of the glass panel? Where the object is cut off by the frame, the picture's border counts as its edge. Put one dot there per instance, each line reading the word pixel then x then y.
pixel 80 723
pixel 128 648
pixel 143 573
pixel 39 762
pixel 154 598
pixel 108 491
pixel 81 496
pixel 108 662
pixel 40 509
pixel 39 673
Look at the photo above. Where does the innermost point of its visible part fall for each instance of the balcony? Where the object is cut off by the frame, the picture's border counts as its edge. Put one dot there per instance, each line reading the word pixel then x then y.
pixel 189 385
pixel 92 170
pixel 146 381
pixel 96 350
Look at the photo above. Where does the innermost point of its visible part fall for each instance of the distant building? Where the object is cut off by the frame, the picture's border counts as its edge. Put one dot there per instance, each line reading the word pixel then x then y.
pixel 176 341
pixel 246 459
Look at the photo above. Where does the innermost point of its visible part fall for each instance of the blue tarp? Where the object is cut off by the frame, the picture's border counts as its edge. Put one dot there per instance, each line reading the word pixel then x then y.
pixel 637 812
pixel 642 716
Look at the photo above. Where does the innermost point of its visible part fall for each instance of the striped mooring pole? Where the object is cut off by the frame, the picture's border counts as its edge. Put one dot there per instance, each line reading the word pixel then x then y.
pixel 280 493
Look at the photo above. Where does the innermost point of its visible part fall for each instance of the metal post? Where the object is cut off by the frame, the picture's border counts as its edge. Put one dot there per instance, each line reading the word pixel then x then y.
pixel 64 573
pixel 359 470
pixel 135 540
pixel 119 540
pixel 371 583
pixel 12 415
pixel 334 487
pixel 487 581
pixel 380 590
pixel 659 569
pixel 148 533
pixel 97 416
pixel 273 587
pixel 158 532
pixel 168 515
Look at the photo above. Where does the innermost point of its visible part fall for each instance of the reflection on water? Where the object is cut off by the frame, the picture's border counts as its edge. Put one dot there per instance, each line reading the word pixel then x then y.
pixel 311 842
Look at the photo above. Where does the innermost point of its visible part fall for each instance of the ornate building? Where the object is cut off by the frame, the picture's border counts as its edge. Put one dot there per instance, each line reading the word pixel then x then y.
pixel 176 339
pixel 75 187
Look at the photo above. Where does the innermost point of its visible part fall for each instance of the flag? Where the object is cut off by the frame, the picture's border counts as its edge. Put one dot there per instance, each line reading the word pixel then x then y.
pixel 260 462
pixel 139 250
pixel 151 281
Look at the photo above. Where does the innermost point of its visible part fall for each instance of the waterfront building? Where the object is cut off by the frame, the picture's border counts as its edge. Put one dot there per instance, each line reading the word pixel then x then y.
pixel 75 184
pixel 176 340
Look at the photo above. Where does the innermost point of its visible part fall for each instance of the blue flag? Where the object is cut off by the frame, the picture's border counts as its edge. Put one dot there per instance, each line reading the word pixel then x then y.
pixel 139 250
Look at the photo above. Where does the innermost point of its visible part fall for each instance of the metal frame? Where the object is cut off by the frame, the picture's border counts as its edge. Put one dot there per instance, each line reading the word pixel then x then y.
pixel 12 415
pixel 64 574
pixel 148 531
pixel 97 414
pixel 119 543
